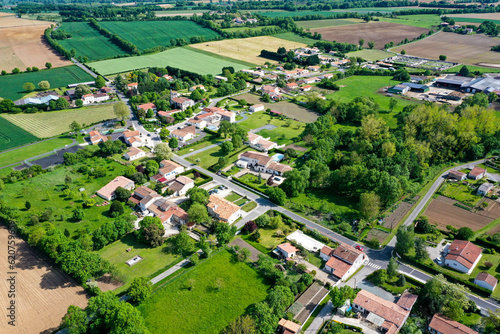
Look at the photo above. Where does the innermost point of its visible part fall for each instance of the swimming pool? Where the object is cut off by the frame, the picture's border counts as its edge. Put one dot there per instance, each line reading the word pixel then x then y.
pixel 278 157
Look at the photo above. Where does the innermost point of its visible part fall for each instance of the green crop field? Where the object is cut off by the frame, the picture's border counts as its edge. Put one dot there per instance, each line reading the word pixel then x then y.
pixel 326 23
pixel 242 28
pixel 88 42
pixel 290 36
pixel 49 124
pixel 473 20
pixel 149 34
pixel 20 154
pixel 12 136
pixel 11 86
pixel 370 55
pixel 221 290
pixel 184 58
pixel 421 21
pixel 299 13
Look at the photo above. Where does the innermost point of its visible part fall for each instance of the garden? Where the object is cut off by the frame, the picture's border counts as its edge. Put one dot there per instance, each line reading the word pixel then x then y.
pixel 464 192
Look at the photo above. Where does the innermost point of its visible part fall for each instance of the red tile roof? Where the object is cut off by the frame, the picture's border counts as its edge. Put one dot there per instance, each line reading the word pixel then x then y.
pixel 347 253
pixel 391 312
pixel 445 325
pixel 407 300
pixel 464 252
pixel 146 106
pixel 456 173
pixel 288 247
pixel 485 277
pixel 476 171
pixel 339 267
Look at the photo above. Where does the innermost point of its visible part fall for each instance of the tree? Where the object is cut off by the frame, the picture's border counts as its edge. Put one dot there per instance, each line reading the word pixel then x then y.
pixel 492 321
pixel 404 239
pixel 75 127
pixel 100 82
pixel 75 320
pixel 224 232
pixel 421 249
pixel 81 90
pixel 62 103
pixel 279 298
pixel 153 235
pixel 198 213
pixel 464 71
pixel 401 280
pixel 403 52
pixel 393 103
pixel 371 45
pixel 121 110
pixel 243 254
pixel 236 141
pixel 78 103
pixel 173 143
pixel 163 151
pixel 440 296
pixel 44 85
pixel 250 226
pixel 48 65
pixel 442 57
pixel 152 167
pixel 465 233
pixel 182 242
pixel 226 147
pixel 78 214
pixel 198 195
pixel 28 86
pixel 361 43
pixel 296 182
pixel 122 194
pixel 244 324
pixel 339 296
pixel 140 289
pixel 27 205
pixel 16 70
pixel 276 195
pixel 265 319
pixel 392 268
pixel 369 205
pixel 116 209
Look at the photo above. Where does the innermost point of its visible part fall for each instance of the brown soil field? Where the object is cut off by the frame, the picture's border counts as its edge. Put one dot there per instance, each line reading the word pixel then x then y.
pixel 22 45
pixel 398 214
pixel 466 49
pixel 379 32
pixel 174 14
pixel 377 234
pixel 296 148
pixel 42 293
pixel 442 212
pixel 485 16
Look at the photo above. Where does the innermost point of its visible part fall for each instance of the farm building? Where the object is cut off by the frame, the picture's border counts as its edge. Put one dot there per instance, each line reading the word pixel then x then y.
pixel 223 209
pixel 477 173
pixel 486 281
pixel 342 261
pixel 454 96
pixel 415 87
pixel 484 189
pixel 108 191
pixel 453 81
pixel 37 100
pixel 287 250
pixel 399 89
pixel 442 325
pixel 456 175
pixel 462 256
pixel 419 79
pixel 486 85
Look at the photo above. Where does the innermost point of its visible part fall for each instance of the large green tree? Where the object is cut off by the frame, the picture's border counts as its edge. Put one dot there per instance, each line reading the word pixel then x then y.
pixel 140 289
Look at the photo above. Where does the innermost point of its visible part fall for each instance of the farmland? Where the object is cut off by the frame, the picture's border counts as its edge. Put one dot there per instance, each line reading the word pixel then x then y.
pixel 147 35
pixel 421 21
pixel 247 49
pixel 88 42
pixel 11 86
pixel 298 13
pixel 466 49
pixel 476 17
pixel 22 45
pixel 378 32
pixel 290 36
pixel 184 58
pixel 221 288
pixel 327 23
pixel 12 136
pixel 370 55
pixel 49 124
pixel 243 28
pixel 43 293
pixel 23 153
pixel 473 21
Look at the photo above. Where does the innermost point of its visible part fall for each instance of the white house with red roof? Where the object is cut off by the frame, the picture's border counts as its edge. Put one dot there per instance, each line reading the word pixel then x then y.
pixel 443 325
pixel 181 102
pixel 462 255
pixel 477 173
pixel 257 107
pixel 147 106
pixel 486 281
pixel 169 169
pixel 96 137
pixel 260 143
pixel 342 261
pixel 287 250
pixel 184 134
pixel 133 138
pixel 133 86
pixel 134 153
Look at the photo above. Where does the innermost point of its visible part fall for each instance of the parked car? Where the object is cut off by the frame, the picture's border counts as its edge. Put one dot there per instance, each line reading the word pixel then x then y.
pixel 358 247
pixel 438 261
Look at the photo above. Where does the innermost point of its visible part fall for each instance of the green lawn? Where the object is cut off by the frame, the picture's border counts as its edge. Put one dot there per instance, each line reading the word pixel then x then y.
pixel 420 20
pixel 368 86
pixel 21 154
pixel 390 285
pixel 318 198
pixel 326 23
pixel 472 20
pixel 184 58
pixel 154 259
pixel 45 191
pixel 12 85
pixel 254 180
pixel 232 197
pixel 461 193
pixel 249 206
pixel 489 169
pixel 473 68
pixel 222 289
pixel 370 55
pixel 290 36
pixel 88 42
pixel 211 157
pixel 12 136
pixel 197 147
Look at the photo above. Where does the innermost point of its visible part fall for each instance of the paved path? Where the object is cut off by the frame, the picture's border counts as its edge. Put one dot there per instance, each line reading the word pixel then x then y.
pixel 170 271
pixel 264 127
pixel 323 316
pixel 83 67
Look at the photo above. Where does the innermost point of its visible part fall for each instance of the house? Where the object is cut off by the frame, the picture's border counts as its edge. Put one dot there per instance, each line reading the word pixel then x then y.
pixel 134 153
pixel 169 169
pixel 399 89
pixel 184 134
pixel 314 68
pixel 108 191
pixel 261 162
pixel 100 97
pixel 288 327
pixel 477 173
pixel 226 115
pixel 484 189
pixel 326 76
pixel 223 209
pixel 442 325
pixel 390 317
pixel 220 78
pixel 486 281
pixel 256 107
pixel 287 250
pixel 199 123
pixel 133 138
pixel 88 99
pixel 147 106
pixel 456 175
pixel 462 256
pixel 181 103
pixel 305 88
pixel 268 89
pixel 292 86
pixel 133 86
pixel 193 88
pixel 168 212
pixel 168 77
pixel 107 90
pixel 96 137
pixel 260 143
pixel 342 261
pixel 144 197
pixel 180 185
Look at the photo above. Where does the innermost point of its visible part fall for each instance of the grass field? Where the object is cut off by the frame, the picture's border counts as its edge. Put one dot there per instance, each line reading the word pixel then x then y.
pixel 49 124
pixel 298 13
pixel 221 290
pixel 326 23
pixel 290 36
pixel 183 58
pixel 88 42
pixel 242 28
pixel 473 20
pixel 247 49
pixel 421 21
pixel 473 68
pixel 21 154
pixel 370 55
pixel 461 193
pixel 149 34
pixel 211 157
pixel 11 86
pixel 12 136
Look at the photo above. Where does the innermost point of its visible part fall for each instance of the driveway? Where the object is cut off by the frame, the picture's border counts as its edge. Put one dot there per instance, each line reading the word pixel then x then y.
pixel 322 275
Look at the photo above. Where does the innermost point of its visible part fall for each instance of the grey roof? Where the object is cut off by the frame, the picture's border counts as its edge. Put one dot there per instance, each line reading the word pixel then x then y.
pixel 455 80
pixel 37 100
pixel 483 84
pixel 485 187
pixel 414 85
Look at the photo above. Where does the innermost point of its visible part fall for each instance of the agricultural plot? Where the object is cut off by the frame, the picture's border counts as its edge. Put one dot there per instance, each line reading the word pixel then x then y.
pixel 11 86
pixel 421 21
pixel 247 49
pixel 375 233
pixel 379 32
pixel 465 49
pixel 243 28
pixel 43 293
pixel 22 45
pixel 477 17
pixel 49 124
pixel 12 136
pixel 20 154
pixel 327 23
pixel 370 55
pixel 298 13
pixel 184 58
pixel 221 288
pixel 88 42
pixel 290 36
pixel 149 34
pixel 460 192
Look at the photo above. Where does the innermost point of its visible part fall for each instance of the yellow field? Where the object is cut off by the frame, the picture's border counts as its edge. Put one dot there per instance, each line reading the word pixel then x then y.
pixel 247 49
pixel 49 124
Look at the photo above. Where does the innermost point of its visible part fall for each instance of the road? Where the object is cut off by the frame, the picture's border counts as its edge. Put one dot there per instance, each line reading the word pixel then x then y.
pixel 83 67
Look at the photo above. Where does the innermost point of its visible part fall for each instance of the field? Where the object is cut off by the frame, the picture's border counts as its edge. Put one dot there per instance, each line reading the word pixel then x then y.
pixel 22 45
pixel 375 233
pixel 290 36
pixel 11 86
pixel 242 28
pixel 247 49
pixel 477 18
pixel 88 42
pixel 472 21
pixel 49 124
pixel 466 49
pixel 149 34
pixel 421 21
pixel 461 193
pixel 21 154
pixel 370 55
pixel 43 293
pixel 298 13
pixel 12 136
pixel 211 157
pixel 154 259
pixel 326 23
pixel 183 58
pixel 473 68
pixel 221 290
pixel 442 212
pixel 378 32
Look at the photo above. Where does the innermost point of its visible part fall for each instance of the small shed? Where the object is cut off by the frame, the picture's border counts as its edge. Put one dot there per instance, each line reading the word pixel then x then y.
pixel 399 89
pixel 486 281
pixel 484 189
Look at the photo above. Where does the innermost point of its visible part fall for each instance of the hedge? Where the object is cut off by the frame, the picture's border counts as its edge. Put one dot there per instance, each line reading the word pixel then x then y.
pixel 207 178
pixel 487 244
pixel 258 191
